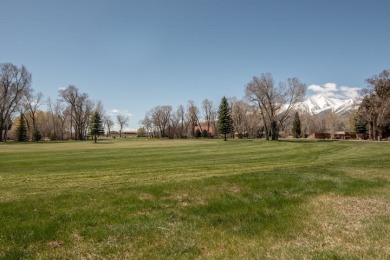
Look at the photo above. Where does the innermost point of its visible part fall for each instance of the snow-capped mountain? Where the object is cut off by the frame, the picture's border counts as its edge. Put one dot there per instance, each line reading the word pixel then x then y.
pixel 318 104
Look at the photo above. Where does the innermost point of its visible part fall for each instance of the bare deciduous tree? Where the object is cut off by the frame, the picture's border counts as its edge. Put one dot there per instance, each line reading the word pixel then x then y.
pixel 254 122
pixel 375 107
pixel 15 83
pixel 122 121
pixel 148 125
pixel 240 110
pixel 31 104
pixel 208 110
pixel 275 102
pixel 108 123
pixel 59 115
pixel 193 116
pixel 334 122
pixel 175 125
pixel 63 114
pixel 53 117
pixel 160 116
pixel 180 113
pixel 80 110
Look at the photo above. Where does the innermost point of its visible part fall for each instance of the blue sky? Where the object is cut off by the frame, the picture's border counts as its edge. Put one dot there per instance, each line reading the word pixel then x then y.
pixel 134 55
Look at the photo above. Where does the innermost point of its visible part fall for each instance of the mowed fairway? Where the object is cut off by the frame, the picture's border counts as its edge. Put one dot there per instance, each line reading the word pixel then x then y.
pixel 151 199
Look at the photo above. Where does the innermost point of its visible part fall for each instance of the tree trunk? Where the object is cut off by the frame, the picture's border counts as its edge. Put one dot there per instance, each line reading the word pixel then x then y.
pixel 71 123
pixel 266 131
pixel 5 135
pixel 1 130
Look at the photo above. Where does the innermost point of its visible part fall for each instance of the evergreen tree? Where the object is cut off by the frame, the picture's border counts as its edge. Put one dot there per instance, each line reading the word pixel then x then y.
pixel 21 130
pixel 37 136
pixel 198 133
pixel 361 128
pixel 205 134
pixel 296 129
pixel 224 118
pixel 274 130
pixel 96 126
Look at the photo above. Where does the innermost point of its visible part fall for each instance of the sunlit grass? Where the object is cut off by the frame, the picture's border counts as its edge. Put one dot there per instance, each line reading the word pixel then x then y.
pixel 195 199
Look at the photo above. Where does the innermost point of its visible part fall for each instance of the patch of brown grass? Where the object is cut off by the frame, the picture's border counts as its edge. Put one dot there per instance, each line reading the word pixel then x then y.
pixel 145 196
pixel 340 224
pixel 54 244
pixel 365 173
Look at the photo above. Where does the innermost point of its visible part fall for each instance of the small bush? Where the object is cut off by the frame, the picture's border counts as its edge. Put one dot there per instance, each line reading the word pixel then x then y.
pixel 198 133
pixel 37 136
pixel 205 134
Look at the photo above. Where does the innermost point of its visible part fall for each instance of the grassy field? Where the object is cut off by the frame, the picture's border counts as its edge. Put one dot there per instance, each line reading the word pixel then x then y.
pixel 159 199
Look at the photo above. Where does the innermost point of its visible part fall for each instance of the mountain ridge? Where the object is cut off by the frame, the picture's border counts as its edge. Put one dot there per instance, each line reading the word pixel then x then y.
pixel 318 104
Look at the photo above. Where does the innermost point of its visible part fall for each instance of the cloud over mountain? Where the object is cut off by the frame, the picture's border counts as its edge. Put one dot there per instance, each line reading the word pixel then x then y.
pixel 331 90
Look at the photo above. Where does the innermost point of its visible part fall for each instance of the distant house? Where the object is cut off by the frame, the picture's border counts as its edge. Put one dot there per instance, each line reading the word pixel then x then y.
pixel 124 134
pixel 339 135
pixel 320 136
pixel 202 128
pixel 129 133
pixel 350 135
pixel 336 135
pixel 344 135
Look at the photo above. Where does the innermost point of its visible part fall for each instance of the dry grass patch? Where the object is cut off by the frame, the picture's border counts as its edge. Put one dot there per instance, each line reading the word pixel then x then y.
pixel 365 173
pixel 341 227
pixel 145 197
pixel 54 244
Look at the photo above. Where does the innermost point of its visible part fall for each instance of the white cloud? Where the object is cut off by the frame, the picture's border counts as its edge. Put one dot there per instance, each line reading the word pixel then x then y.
pixel 330 86
pixel 331 90
pixel 315 88
pixel 350 91
pixel 326 90
pixel 114 112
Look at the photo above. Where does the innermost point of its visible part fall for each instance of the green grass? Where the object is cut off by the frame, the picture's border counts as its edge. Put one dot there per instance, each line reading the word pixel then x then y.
pixel 174 199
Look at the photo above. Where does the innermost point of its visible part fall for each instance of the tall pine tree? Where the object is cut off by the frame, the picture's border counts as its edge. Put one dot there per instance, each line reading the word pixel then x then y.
pixel 21 130
pixel 224 118
pixel 296 129
pixel 96 126
pixel 360 128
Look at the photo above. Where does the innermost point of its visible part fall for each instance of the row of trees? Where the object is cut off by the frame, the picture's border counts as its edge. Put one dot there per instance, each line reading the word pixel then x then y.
pixel 163 121
pixel 266 109
pixel 246 122
pixel 73 115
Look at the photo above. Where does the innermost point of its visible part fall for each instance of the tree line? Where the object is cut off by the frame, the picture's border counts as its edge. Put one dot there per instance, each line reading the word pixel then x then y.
pixel 73 115
pixel 264 112
pixel 267 110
